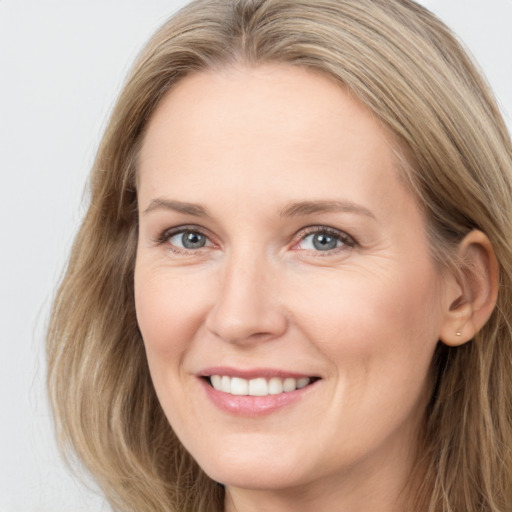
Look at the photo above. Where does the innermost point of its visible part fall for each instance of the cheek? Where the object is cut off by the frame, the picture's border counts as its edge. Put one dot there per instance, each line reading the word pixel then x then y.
pixel 169 312
pixel 377 331
pixel 350 304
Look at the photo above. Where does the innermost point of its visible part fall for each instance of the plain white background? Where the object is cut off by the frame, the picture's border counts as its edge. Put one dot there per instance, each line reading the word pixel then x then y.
pixel 61 67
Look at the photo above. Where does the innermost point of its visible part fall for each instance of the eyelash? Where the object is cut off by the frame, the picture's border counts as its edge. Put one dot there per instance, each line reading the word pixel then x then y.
pixel 347 241
pixel 166 235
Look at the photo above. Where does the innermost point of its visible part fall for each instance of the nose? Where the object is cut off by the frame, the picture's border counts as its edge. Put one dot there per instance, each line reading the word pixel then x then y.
pixel 247 309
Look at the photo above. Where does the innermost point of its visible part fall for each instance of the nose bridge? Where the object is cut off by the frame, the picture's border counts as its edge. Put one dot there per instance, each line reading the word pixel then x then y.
pixel 246 305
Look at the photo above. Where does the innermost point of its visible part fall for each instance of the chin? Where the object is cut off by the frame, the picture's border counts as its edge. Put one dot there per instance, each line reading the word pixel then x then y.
pixel 256 480
pixel 255 473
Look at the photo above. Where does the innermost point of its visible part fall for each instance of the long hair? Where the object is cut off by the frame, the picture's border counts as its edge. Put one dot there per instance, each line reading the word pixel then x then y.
pixel 455 154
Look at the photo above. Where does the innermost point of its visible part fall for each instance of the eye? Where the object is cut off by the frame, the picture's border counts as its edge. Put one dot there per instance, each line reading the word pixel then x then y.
pixel 325 239
pixel 183 239
pixel 188 240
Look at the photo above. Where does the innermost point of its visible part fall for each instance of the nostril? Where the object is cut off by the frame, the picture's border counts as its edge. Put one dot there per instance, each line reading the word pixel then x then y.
pixel 260 327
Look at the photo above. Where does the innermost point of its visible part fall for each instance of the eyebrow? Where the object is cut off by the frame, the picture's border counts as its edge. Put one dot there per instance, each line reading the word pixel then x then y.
pixel 303 208
pixel 178 206
pixel 294 209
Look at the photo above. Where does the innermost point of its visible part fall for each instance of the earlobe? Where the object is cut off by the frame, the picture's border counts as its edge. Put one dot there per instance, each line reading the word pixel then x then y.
pixel 472 293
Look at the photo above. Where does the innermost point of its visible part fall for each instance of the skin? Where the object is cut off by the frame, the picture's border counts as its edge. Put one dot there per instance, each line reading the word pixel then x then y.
pixel 365 317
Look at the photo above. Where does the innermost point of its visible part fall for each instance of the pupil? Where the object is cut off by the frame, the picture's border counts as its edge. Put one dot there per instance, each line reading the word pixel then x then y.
pixel 192 240
pixel 324 242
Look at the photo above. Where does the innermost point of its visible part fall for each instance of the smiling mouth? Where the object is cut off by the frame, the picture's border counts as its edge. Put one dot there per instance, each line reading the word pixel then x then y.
pixel 259 386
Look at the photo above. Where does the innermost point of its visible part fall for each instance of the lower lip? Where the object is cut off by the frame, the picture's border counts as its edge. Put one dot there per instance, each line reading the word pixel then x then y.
pixel 246 405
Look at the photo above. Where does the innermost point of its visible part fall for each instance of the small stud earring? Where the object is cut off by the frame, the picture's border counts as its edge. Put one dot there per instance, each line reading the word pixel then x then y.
pixel 459 332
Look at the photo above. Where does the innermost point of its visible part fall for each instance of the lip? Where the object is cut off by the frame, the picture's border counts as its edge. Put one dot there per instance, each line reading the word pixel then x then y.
pixel 253 406
pixel 252 373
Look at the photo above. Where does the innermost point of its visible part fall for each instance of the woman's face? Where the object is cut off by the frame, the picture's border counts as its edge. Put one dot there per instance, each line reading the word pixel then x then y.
pixel 280 255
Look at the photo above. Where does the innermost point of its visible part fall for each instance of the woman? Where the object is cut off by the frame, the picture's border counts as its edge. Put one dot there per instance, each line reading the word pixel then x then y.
pixel 292 288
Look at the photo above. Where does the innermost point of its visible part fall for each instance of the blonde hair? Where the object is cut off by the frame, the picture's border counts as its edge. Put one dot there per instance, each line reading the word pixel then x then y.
pixel 410 71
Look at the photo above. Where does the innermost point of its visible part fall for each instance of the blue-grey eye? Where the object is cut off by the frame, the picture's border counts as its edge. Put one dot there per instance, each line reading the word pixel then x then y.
pixel 324 241
pixel 192 240
pixel 188 240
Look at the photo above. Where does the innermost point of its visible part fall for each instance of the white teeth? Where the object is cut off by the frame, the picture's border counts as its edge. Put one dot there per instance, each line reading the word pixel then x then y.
pixel 302 383
pixel 275 386
pixel 257 387
pixel 289 384
pixel 239 386
pixel 226 384
pixel 216 381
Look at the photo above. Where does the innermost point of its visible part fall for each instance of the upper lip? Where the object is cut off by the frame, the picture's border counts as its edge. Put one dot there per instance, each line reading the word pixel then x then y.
pixel 252 373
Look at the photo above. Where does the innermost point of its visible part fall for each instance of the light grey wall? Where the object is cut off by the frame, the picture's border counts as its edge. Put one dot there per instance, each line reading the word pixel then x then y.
pixel 61 66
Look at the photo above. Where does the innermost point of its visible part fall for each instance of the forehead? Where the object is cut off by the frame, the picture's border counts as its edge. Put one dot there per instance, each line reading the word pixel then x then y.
pixel 290 125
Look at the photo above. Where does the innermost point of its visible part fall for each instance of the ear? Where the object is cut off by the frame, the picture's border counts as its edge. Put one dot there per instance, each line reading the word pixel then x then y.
pixel 472 293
